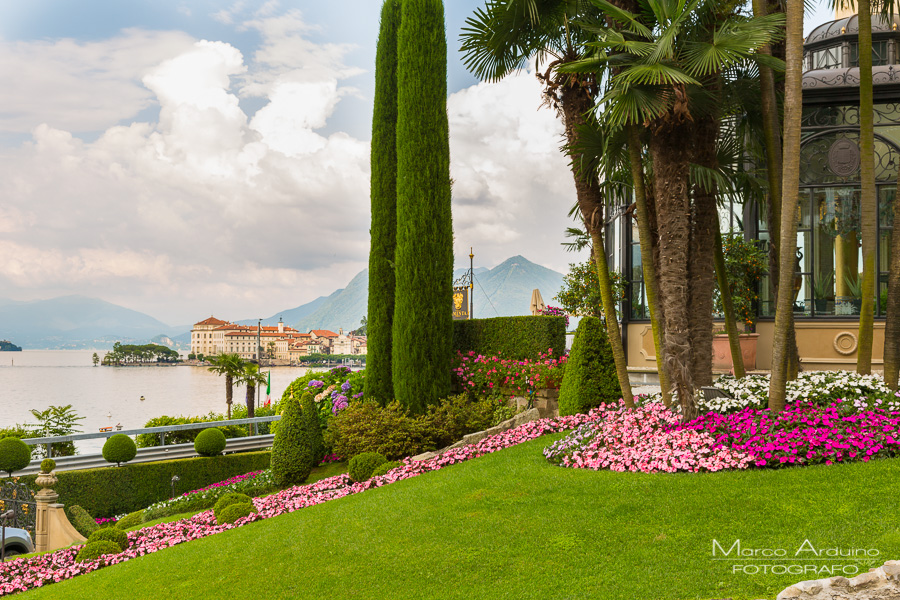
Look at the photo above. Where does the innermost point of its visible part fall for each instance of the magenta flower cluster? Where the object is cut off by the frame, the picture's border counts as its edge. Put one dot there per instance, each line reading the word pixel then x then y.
pixel 26 573
pixel 485 375
pixel 645 439
pixel 805 434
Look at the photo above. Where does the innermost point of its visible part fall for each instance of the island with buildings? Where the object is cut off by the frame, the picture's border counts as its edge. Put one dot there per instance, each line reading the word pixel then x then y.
pixel 7 346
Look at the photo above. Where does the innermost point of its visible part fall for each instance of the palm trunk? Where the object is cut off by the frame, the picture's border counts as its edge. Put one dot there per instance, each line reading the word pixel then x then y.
pixel 576 102
pixel 251 401
pixel 892 320
pixel 648 266
pixel 229 392
pixel 734 340
pixel 704 225
pixel 790 190
pixel 868 196
pixel 671 157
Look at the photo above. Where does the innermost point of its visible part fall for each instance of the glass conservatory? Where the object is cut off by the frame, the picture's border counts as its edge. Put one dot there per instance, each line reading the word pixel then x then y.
pixel 829 258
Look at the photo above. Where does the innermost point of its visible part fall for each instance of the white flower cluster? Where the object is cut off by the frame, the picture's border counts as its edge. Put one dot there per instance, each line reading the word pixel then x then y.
pixel 865 392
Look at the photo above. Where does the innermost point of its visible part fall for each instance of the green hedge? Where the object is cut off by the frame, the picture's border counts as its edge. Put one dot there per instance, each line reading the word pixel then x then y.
pixel 111 491
pixel 512 337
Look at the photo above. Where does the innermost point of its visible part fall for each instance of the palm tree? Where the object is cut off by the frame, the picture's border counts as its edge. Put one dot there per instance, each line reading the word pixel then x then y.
pixel 231 366
pixel 251 377
pixel 793 106
pixel 665 63
pixel 503 37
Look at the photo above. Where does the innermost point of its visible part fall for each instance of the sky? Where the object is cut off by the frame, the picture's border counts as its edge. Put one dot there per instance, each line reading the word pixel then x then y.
pixel 195 158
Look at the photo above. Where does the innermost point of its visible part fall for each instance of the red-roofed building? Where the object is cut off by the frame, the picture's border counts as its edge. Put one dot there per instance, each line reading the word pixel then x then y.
pixel 212 337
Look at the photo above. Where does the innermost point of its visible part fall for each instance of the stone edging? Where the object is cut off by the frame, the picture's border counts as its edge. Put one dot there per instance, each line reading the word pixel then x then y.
pixel 882 583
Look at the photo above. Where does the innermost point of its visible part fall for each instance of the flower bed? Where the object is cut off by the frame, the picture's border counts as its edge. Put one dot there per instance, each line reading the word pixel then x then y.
pixel 27 573
pixel 486 375
pixel 645 439
pixel 254 483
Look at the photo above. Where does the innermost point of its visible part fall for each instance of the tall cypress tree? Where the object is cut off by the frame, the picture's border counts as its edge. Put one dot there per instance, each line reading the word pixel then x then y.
pixel 380 315
pixel 424 256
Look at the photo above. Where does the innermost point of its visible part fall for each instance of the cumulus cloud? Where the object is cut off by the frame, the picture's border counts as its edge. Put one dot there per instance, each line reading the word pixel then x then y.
pixel 80 86
pixel 210 210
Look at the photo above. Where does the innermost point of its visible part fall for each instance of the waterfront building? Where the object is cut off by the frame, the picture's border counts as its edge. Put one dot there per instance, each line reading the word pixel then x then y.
pixel 213 336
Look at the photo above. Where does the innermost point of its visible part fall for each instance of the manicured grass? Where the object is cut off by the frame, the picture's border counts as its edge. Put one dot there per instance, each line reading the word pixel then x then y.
pixel 510 525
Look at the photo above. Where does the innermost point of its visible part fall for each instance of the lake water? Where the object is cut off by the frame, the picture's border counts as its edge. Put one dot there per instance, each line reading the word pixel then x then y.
pixel 107 396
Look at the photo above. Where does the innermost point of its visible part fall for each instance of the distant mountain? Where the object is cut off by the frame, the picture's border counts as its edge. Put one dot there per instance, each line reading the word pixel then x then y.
pixel 293 314
pixel 502 291
pixel 74 322
pixel 343 309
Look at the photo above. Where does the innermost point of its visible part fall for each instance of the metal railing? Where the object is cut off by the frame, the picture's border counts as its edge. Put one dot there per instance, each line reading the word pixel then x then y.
pixel 153 453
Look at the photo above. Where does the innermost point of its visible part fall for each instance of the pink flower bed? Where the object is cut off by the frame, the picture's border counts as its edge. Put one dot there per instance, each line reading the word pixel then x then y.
pixel 805 434
pixel 26 573
pixel 645 439
pixel 485 375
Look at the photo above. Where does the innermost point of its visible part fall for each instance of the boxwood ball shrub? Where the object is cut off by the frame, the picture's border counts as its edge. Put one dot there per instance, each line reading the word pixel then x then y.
pixel 96 550
pixel 229 499
pixel 83 523
pixel 590 378
pixel 210 442
pixel 292 458
pixel 110 534
pixel 362 465
pixel 119 449
pixel 47 465
pixel 130 520
pixel 384 468
pixel 15 455
pixel 233 512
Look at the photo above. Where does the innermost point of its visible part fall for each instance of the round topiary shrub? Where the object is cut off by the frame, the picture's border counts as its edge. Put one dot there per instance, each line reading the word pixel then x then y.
pixel 119 449
pixel 83 523
pixel 228 499
pixel 384 468
pixel 95 550
pixel 47 465
pixel 233 512
pixel 14 455
pixel 210 442
pixel 590 378
pixel 363 465
pixel 292 457
pixel 110 534
pixel 130 520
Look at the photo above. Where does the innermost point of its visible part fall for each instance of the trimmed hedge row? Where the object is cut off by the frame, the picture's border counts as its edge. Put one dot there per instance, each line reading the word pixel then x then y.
pixel 511 337
pixel 107 492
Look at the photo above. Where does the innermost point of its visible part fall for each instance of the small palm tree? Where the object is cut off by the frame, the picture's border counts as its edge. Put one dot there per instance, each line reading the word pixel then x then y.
pixel 231 366
pixel 251 377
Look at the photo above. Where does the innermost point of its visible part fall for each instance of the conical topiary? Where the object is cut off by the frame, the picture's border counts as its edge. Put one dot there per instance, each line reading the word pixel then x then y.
pixel 313 427
pixel 291 452
pixel 590 378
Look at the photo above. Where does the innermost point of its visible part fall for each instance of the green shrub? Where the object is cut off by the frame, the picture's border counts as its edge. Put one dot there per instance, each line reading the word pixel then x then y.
pixel 130 520
pixel 457 416
pixel 119 449
pixel 367 427
pixel 361 466
pixel 590 378
pixel 110 534
pixel 229 499
pixel 83 523
pixel 384 468
pixel 313 427
pixel 96 550
pixel 47 465
pixel 15 455
pixel 513 337
pixel 292 458
pixel 233 512
pixel 139 485
pixel 210 442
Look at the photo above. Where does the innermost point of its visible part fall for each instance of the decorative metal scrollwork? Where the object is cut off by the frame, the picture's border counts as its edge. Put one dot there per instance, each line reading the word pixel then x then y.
pixel 19 498
pixel 814 155
pixel 837 78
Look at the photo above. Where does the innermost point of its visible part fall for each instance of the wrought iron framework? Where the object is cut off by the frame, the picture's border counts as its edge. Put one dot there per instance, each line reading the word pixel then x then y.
pixel 19 498
pixel 817 170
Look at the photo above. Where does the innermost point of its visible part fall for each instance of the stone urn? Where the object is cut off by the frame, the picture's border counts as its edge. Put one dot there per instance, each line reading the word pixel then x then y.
pixel 46 479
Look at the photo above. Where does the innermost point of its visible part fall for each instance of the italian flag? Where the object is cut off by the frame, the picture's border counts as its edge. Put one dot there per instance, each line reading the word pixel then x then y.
pixel 268 388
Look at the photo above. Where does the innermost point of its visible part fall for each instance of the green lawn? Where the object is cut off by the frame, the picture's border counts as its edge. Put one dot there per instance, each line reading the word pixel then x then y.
pixel 509 525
